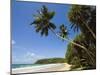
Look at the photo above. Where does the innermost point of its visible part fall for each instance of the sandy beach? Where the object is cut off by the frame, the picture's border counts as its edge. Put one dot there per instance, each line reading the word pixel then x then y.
pixel 43 68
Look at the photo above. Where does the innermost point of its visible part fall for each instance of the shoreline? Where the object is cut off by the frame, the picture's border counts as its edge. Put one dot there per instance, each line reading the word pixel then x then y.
pixel 42 68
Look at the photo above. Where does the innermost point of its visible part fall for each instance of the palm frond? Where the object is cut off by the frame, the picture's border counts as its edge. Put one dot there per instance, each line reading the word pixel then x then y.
pixel 52 25
pixel 51 15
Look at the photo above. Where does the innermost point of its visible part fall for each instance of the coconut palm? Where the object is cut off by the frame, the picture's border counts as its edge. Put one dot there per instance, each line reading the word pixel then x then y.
pixel 80 18
pixel 63 31
pixel 80 54
pixel 42 21
pixel 84 18
pixel 43 24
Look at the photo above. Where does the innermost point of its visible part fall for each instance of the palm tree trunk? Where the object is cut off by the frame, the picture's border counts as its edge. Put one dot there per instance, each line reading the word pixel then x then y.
pixel 68 40
pixel 88 28
pixel 91 31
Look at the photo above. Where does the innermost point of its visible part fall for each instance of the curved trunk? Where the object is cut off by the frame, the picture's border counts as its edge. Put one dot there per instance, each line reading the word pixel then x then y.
pixel 93 34
pixel 90 30
pixel 68 40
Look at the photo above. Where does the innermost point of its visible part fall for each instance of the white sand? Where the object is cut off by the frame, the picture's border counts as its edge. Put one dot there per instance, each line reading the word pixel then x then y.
pixel 42 68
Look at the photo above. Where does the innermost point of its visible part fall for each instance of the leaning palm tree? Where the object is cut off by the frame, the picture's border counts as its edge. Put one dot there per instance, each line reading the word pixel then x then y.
pixel 43 24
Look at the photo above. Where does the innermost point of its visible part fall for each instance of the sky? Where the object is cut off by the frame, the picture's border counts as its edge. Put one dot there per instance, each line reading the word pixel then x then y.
pixel 29 46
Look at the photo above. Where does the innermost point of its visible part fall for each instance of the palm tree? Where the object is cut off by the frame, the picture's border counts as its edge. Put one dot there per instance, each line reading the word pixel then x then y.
pixel 81 53
pixel 80 18
pixel 42 21
pixel 84 18
pixel 63 31
pixel 76 52
pixel 43 24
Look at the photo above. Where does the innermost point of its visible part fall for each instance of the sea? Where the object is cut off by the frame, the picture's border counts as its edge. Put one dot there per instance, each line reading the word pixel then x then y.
pixel 23 65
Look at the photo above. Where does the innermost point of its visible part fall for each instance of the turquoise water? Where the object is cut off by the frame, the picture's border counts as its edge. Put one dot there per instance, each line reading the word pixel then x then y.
pixel 23 65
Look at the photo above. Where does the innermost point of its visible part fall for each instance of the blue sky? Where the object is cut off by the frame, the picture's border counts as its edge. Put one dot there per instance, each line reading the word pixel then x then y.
pixel 27 45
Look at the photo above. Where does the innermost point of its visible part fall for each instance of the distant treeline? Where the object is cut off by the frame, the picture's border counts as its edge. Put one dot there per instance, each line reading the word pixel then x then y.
pixel 50 60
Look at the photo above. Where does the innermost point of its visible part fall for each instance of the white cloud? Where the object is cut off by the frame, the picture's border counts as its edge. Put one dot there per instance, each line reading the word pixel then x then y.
pixel 27 58
pixel 13 42
pixel 30 54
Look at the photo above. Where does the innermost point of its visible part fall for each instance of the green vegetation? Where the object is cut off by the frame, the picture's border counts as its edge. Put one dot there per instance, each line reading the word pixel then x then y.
pixel 81 51
pixel 50 61
pixel 83 18
pixel 43 22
